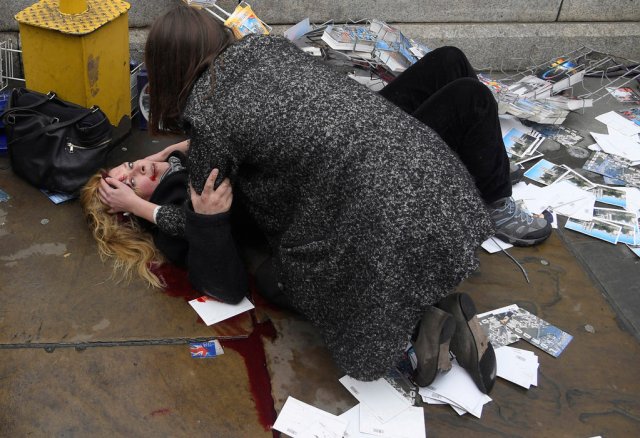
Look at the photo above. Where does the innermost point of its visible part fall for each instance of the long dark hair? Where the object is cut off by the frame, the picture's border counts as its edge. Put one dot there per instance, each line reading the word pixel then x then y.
pixel 181 44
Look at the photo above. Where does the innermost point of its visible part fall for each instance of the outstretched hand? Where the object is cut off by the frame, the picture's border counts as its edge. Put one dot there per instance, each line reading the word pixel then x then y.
pixel 212 200
pixel 117 195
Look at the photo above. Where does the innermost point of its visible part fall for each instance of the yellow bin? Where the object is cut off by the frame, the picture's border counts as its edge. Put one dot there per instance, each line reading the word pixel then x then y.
pixel 80 50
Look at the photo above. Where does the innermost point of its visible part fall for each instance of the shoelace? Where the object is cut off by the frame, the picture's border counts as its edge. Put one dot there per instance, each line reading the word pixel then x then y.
pixel 514 209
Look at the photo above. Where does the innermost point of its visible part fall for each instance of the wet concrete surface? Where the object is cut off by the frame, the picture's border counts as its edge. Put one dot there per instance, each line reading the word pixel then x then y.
pixel 131 373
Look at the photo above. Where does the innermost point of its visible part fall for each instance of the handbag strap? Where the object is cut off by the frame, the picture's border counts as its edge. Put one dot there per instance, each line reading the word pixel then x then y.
pixel 49 96
pixel 56 125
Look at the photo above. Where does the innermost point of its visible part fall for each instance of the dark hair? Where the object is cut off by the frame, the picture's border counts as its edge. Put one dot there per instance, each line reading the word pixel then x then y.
pixel 181 44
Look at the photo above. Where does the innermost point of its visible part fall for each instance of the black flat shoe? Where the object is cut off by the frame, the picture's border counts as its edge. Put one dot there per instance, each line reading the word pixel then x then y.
pixel 432 345
pixel 470 345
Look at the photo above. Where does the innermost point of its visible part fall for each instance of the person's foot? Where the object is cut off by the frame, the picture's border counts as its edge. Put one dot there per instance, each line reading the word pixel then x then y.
pixel 432 345
pixel 516 226
pixel 469 343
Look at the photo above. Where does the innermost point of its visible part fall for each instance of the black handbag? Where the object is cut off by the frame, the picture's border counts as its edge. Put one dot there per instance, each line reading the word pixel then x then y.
pixel 53 144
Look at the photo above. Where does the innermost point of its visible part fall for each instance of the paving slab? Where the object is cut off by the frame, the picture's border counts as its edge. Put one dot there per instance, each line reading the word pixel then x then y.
pixel 155 391
pixel 597 10
pixel 578 394
pixel 55 289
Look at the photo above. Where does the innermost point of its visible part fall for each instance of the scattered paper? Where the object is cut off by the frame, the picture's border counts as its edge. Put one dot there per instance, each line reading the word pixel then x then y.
pixel 407 424
pixel 619 123
pixel 457 387
pixel 379 396
pixel 517 366
pixel 301 420
pixel 595 228
pixel 212 311
pixel 493 245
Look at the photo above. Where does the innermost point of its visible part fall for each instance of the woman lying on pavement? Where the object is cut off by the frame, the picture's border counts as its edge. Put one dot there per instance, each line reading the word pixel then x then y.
pixel 196 234
pixel 372 219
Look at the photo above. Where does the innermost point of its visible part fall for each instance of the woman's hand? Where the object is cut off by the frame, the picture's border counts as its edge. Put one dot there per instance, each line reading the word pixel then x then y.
pixel 183 147
pixel 212 200
pixel 117 195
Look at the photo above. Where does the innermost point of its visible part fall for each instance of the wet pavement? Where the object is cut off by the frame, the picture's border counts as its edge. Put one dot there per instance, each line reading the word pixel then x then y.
pixel 84 355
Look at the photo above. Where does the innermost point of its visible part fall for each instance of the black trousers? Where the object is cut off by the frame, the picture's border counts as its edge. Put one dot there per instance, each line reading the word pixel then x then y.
pixel 443 91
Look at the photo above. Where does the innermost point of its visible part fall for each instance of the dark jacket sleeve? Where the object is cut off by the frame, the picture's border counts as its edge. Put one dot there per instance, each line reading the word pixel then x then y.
pixel 213 262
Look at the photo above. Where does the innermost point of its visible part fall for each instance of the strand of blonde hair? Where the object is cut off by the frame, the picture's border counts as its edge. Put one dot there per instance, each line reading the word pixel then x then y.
pixel 130 247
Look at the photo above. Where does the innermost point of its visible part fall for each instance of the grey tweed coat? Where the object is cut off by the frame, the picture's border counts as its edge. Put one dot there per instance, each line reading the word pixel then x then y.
pixel 370 216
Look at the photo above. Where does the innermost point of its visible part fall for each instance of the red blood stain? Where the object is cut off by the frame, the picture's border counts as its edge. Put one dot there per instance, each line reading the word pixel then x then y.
pixel 176 280
pixel 251 348
pixel 252 351
pixel 163 411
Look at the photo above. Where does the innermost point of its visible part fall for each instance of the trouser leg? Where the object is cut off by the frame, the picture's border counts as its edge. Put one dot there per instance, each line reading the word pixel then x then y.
pixel 423 79
pixel 442 91
pixel 465 114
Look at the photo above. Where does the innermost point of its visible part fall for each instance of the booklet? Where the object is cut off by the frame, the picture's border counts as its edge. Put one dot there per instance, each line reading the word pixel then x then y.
pixel 506 325
pixel 493 323
pixel 538 332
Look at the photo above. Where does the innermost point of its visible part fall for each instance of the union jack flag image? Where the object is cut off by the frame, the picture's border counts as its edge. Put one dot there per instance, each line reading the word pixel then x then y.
pixel 206 349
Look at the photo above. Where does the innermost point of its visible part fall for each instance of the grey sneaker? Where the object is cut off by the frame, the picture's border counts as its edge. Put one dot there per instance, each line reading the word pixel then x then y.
pixel 517 226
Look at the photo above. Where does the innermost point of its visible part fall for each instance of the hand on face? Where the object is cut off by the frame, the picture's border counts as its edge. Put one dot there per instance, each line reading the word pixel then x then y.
pixel 212 200
pixel 117 195
pixel 143 175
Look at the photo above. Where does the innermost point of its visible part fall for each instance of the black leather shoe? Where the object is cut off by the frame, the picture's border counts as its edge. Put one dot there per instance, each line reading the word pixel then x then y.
pixel 432 345
pixel 469 344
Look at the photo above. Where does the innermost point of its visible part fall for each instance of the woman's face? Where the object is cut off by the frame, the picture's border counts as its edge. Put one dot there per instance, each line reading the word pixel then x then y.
pixel 142 176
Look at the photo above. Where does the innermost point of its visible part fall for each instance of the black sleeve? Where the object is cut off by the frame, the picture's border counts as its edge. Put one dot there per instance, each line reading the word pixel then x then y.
pixel 213 262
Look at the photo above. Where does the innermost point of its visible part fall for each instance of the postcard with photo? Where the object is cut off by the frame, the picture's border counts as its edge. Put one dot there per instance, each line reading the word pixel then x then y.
pixel 558 133
pixel 493 323
pixel 576 179
pixel 627 234
pixel 632 114
pixel 595 228
pixel 625 94
pixel 623 217
pixel 531 86
pixel 611 196
pixel 563 73
pixel 613 167
pixel 520 143
pixel 538 332
pixel 545 172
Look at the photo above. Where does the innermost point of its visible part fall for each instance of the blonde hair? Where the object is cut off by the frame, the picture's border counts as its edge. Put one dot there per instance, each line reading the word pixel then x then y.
pixel 119 237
